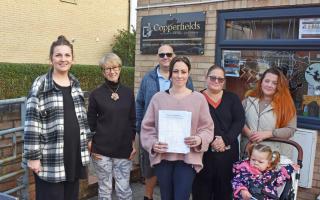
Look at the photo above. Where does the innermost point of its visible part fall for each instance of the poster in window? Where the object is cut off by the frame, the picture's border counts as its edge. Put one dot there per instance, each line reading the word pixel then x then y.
pixel 309 28
pixel 231 62
pixel 312 75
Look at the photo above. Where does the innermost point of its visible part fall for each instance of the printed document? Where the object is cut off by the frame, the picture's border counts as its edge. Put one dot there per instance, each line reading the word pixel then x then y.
pixel 174 126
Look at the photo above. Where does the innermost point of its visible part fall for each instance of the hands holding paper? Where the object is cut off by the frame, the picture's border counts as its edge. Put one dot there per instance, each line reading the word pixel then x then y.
pixel 192 141
pixel 160 147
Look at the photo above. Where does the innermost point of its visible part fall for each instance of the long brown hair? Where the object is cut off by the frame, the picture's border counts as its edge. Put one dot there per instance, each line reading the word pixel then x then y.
pixel 282 103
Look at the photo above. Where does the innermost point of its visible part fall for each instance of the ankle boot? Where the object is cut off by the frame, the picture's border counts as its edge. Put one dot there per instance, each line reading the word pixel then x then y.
pixel 146 198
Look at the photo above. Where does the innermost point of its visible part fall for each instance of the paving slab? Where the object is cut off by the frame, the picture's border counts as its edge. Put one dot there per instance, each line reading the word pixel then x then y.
pixel 138 192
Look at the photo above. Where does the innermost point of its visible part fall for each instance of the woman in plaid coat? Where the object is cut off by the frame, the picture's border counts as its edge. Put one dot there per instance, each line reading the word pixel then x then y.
pixel 56 128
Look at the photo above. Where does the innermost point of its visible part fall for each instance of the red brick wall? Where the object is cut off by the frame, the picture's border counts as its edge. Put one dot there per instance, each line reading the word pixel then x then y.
pixel 308 194
pixel 9 118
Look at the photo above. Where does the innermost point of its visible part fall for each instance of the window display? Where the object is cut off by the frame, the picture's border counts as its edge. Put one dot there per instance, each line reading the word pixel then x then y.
pixel 251 41
pixel 302 69
pixel 257 29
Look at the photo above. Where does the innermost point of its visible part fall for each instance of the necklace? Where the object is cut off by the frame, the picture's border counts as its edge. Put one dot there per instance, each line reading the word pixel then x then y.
pixel 265 103
pixel 114 95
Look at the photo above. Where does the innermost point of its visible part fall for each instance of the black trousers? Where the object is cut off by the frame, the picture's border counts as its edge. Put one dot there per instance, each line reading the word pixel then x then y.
pixel 56 191
pixel 213 182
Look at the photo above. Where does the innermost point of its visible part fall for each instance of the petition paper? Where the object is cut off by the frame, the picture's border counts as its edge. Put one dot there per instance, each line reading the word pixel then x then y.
pixel 174 126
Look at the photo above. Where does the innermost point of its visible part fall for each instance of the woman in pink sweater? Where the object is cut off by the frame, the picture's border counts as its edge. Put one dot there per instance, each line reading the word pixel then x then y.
pixel 176 171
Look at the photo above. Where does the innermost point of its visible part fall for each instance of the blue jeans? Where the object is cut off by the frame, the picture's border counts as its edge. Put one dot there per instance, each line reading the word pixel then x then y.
pixel 175 179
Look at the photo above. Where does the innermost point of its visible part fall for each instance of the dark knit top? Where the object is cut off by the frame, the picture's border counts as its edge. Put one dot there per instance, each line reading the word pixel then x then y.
pixel 71 138
pixel 228 119
pixel 114 122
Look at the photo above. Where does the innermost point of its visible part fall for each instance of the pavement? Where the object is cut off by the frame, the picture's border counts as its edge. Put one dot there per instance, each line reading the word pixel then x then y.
pixel 136 184
pixel 138 191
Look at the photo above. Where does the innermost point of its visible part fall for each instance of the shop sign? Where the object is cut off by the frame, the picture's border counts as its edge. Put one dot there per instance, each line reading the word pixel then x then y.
pixel 185 32
pixel 309 28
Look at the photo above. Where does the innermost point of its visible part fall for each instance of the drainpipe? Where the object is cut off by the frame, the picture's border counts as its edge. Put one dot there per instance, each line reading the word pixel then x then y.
pixel 129 15
pixel 132 14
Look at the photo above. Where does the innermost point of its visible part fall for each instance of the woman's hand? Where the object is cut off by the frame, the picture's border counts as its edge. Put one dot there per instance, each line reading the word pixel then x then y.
pixel 133 152
pixel 160 147
pixel 259 136
pixel 193 141
pixel 245 194
pixel 295 166
pixel 218 144
pixel 95 156
pixel 35 165
pixel 89 146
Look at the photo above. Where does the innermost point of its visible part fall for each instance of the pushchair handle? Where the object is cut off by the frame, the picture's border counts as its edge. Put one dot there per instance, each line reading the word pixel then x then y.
pixel 293 143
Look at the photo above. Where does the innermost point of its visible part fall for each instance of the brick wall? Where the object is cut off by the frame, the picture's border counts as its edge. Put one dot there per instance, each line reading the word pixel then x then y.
pixel 308 194
pixel 202 62
pixel 28 28
pixel 10 118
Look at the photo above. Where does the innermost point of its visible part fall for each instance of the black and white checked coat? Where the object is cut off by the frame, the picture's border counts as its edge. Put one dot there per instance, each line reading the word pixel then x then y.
pixel 44 126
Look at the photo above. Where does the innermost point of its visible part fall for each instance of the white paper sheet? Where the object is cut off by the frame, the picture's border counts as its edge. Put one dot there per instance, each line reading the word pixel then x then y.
pixel 174 126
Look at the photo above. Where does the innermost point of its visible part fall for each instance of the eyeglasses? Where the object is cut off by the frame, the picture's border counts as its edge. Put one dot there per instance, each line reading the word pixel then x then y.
pixel 169 55
pixel 109 69
pixel 214 79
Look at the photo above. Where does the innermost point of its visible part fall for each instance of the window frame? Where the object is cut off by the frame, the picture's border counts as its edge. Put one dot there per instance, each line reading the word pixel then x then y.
pixel 268 44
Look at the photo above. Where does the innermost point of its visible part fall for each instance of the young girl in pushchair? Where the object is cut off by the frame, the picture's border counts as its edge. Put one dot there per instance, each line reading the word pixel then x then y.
pixel 257 177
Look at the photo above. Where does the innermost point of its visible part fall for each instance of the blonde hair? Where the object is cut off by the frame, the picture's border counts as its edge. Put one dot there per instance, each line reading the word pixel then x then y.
pixel 112 58
pixel 273 156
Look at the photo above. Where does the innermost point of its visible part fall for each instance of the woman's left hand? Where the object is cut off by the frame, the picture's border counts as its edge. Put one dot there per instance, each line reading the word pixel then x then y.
pixel 193 141
pixel 218 144
pixel 89 146
pixel 296 167
pixel 259 136
pixel 133 152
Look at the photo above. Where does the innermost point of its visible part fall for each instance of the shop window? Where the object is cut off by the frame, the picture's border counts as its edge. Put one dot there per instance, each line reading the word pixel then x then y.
pixel 260 29
pixel 249 42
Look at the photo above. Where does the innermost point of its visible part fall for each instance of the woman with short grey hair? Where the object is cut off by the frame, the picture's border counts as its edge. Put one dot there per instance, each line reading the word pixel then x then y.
pixel 112 119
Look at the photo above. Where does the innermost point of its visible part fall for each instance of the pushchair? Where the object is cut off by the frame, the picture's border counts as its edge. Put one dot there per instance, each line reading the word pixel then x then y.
pixel 289 190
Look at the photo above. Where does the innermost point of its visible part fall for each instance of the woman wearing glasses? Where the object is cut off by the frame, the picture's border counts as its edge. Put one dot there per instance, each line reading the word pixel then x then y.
pixel 111 116
pixel 175 171
pixel 214 180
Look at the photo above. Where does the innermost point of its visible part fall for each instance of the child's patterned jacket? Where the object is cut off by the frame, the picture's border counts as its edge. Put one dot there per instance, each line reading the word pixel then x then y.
pixel 246 177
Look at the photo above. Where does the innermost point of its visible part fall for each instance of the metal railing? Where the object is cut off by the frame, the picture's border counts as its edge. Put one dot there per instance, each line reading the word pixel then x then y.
pixel 13 132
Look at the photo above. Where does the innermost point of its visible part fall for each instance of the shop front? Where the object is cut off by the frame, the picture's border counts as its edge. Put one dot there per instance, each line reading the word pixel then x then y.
pixel 247 37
